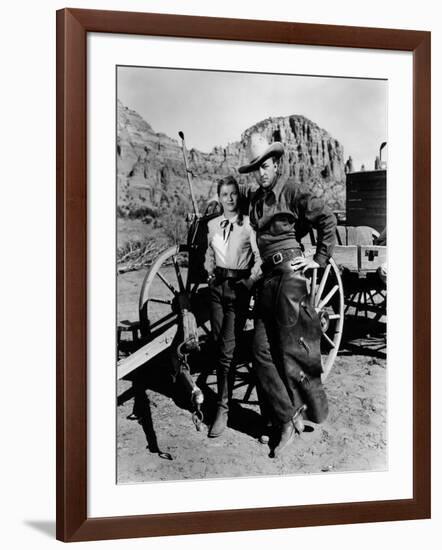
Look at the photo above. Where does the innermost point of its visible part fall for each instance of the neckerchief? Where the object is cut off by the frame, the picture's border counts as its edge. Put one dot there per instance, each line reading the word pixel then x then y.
pixel 227 226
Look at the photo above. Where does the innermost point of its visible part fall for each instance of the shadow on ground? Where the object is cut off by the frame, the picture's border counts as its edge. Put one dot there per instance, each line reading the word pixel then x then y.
pixel 361 336
pixel 157 375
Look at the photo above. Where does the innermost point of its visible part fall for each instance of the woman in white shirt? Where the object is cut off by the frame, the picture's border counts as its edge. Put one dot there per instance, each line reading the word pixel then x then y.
pixel 233 266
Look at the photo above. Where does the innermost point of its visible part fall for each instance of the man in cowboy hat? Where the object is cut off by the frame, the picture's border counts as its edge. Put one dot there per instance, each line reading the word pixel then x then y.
pixel 286 347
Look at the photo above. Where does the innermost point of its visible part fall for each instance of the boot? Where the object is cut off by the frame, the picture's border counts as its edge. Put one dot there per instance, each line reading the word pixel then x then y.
pixel 287 436
pixel 220 423
pixel 264 438
pixel 266 420
pixel 222 412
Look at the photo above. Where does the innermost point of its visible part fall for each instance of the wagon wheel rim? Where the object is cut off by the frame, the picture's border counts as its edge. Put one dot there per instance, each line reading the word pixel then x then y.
pixel 165 280
pixel 326 295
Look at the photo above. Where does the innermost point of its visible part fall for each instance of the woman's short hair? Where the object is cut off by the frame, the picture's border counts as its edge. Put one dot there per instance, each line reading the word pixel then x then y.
pixel 228 180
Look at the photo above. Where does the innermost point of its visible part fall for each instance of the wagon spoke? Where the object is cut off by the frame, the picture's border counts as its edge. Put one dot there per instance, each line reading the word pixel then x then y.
pixel 205 328
pixel 329 340
pixel 166 282
pixel 371 298
pixel 188 281
pixel 163 320
pixel 381 293
pixel 349 303
pixel 356 302
pixel 178 273
pixel 366 305
pixel 160 301
pixel 322 284
pixel 313 286
pixel 334 316
pixel 328 297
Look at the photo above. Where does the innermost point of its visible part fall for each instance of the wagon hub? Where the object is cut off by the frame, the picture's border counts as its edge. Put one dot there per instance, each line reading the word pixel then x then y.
pixel 324 319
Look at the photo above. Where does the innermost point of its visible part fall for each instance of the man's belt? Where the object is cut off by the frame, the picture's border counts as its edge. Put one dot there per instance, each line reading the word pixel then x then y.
pixel 224 273
pixel 279 258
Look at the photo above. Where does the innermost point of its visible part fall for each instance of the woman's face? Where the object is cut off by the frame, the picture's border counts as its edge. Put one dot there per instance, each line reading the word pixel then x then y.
pixel 228 197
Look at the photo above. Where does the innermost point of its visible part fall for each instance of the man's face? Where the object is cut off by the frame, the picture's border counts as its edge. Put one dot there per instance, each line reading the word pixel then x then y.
pixel 266 173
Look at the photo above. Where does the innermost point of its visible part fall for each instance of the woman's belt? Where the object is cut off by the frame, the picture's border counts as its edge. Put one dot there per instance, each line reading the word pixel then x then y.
pixel 279 258
pixel 224 273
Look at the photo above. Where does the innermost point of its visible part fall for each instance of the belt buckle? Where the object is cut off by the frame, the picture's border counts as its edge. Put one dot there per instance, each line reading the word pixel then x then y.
pixel 277 258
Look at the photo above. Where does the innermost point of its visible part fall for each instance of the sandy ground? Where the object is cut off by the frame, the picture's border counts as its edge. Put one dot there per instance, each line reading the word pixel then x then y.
pixel 164 444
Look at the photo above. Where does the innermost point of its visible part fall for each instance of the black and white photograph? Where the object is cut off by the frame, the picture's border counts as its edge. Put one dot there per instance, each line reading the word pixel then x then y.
pixel 251 251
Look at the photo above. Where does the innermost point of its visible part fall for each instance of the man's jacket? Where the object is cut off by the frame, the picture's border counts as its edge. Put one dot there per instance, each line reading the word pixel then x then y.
pixel 283 215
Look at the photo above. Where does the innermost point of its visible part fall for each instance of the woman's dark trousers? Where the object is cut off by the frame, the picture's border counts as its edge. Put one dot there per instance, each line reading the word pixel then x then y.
pixel 229 302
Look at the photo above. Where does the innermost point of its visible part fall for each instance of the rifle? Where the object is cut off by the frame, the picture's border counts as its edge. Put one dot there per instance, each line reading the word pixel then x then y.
pixel 189 175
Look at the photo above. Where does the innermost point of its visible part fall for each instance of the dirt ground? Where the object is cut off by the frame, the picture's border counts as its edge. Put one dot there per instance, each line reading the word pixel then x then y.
pixel 164 444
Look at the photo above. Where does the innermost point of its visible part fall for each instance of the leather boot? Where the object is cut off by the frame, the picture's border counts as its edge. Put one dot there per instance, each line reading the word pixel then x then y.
pixel 220 423
pixel 287 436
pixel 222 412
pixel 264 438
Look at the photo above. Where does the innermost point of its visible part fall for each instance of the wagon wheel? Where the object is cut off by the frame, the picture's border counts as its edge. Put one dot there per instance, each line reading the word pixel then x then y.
pixel 367 300
pixel 164 283
pixel 326 295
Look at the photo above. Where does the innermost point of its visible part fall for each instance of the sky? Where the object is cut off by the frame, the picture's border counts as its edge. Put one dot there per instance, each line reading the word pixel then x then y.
pixel 214 108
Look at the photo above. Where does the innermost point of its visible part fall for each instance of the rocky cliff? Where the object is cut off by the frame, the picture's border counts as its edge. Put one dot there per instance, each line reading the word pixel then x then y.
pixel 152 179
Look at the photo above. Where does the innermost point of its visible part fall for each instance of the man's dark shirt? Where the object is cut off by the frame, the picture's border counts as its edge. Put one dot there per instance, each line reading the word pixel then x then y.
pixel 283 215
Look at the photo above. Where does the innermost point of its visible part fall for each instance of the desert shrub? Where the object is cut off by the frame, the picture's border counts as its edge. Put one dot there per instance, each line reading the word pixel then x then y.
pixel 142 212
pixel 171 219
pixel 139 253
pixel 122 211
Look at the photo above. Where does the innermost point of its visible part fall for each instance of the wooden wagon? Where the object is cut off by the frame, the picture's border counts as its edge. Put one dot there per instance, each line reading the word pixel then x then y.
pixel 362 252
pixel 174 312
pixel 174 302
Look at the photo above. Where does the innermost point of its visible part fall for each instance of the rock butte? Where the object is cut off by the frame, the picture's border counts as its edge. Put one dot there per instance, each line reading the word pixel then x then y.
pixel 151 174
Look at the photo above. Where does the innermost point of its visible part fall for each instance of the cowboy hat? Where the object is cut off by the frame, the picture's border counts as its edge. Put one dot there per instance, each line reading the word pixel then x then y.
pixel 259 151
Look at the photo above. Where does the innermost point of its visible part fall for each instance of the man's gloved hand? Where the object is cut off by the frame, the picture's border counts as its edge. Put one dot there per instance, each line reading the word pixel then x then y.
pixel 303 263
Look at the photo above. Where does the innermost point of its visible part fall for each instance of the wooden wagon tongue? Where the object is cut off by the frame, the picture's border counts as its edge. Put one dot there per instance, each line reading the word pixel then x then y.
pixel 181 339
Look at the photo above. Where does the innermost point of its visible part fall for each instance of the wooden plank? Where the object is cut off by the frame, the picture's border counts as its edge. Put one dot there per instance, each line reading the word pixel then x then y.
pixel 146 353
pixel 374 186
pixel 374 191
pixel 366 199
pixel 346 256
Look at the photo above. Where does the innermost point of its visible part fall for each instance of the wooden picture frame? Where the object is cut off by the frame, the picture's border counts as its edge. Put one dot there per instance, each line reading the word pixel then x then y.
pixel 73 523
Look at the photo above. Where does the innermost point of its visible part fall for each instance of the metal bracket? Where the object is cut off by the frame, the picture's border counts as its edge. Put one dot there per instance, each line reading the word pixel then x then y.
pixel 371 254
